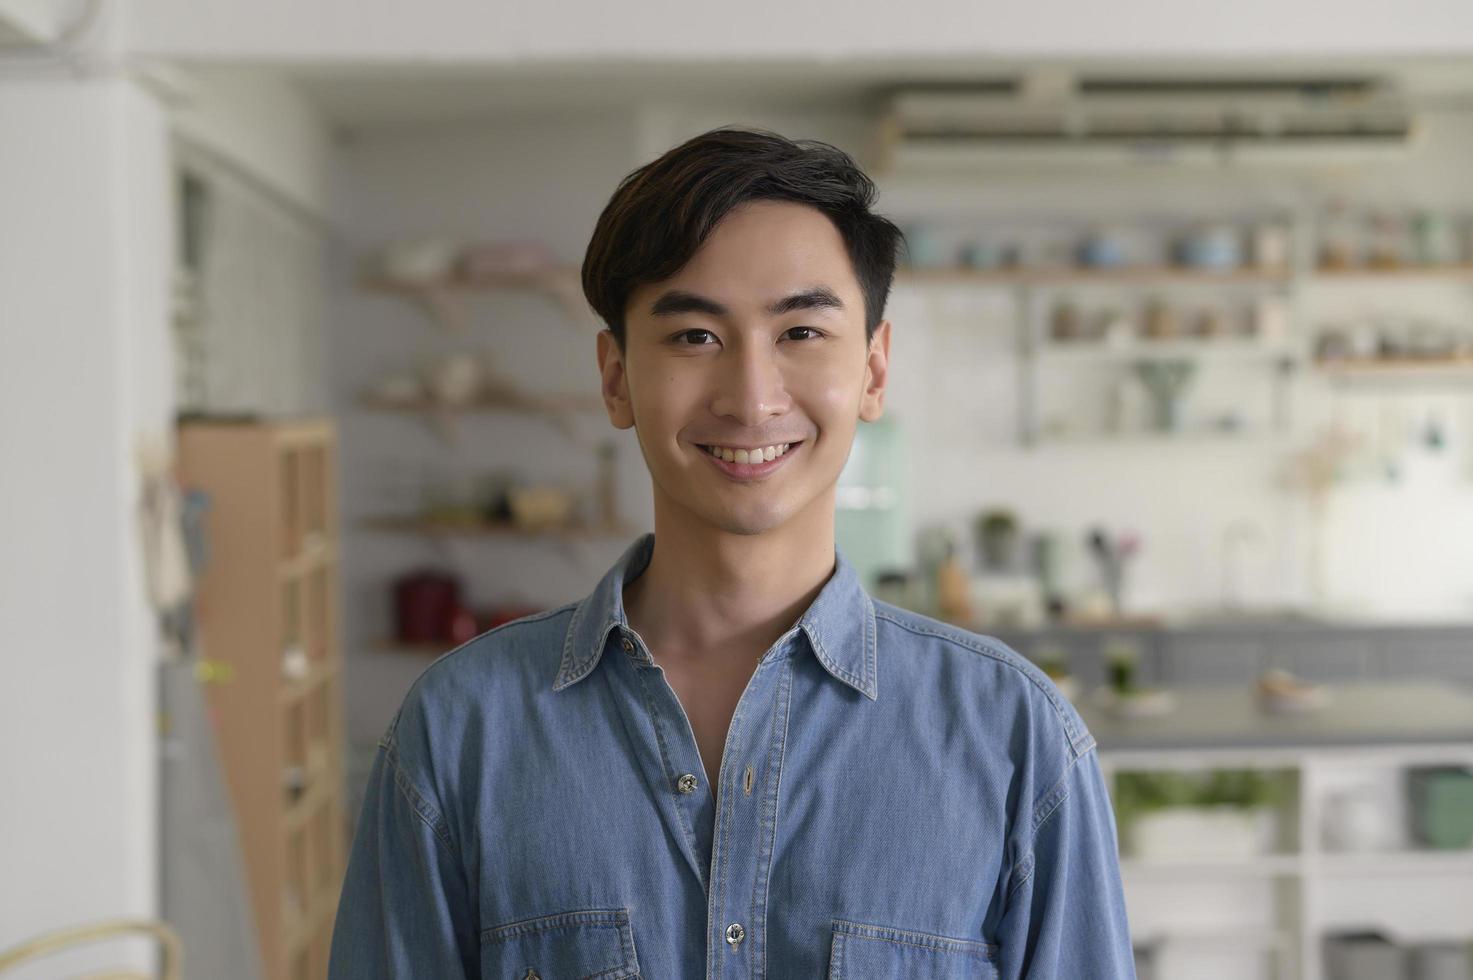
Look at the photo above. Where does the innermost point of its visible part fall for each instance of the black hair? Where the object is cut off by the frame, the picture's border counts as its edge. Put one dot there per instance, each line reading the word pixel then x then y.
pixel 662 212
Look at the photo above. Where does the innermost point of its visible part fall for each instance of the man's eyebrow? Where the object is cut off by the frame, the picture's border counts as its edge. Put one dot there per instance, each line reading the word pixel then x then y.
pixel 676 301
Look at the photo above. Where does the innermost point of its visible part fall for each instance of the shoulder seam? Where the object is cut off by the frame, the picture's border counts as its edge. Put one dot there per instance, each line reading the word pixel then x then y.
pixel 1046 806
pixel 1080 740
pixel 426 811
pixel 523 621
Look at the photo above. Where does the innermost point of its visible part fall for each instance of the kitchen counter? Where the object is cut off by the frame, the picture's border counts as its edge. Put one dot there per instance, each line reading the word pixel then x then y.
pixel 1237 652
pixel 1219 717
pixel 1208 620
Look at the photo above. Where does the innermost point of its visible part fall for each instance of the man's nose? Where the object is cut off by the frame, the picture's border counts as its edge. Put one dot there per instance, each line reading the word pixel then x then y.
pixel 751 387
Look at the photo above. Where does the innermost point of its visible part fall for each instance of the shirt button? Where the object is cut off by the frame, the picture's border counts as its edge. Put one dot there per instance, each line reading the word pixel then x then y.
pixel 531 975
pixel 627 644
pixel 687 783
pixel 734 934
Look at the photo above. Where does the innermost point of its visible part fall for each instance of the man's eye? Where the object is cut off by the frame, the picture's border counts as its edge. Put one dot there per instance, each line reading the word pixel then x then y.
pixel 686 333
pixel 813 333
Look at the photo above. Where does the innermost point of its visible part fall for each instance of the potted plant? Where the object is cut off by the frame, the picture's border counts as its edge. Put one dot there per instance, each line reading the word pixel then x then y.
pixel 1219 813
pixel 997 539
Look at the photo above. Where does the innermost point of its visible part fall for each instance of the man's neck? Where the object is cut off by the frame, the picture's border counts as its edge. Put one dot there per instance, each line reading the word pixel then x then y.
pixel 708 594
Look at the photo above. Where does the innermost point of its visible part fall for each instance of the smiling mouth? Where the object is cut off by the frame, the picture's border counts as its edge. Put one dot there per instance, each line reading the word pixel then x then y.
pixel 756 458
pixel 750 471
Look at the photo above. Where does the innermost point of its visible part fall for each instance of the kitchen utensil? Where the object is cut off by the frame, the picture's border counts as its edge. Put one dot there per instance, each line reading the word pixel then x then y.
pixel 1270 246
pixel 1102 249
pixel 399 389
pixel 1066 323
pixel 1389 241
pixel 1441 799
pixel 1269 321
pixel 1434 239
pixel 424 602
pixel 1356 820
pixel 540 506
pixel 1141 702
pixel 1280 692
pixel 1161 321
pixel 1166 381
pixel 455 380
pixel 492 260
pixel 922 248
pixel 421 260
pixel 981 254
pixel 1210 246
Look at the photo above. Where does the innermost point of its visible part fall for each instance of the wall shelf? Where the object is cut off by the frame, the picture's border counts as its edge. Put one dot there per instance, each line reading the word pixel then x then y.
pixel 1396 372
pixel 444 299
pixel 1039 357
pixel 1231 349
pixel 445 418
pixel 1122 276
pixel 1455 270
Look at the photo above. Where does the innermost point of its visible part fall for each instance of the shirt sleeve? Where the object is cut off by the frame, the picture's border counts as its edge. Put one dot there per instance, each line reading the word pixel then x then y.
pixel 405 911
pixel 1065 910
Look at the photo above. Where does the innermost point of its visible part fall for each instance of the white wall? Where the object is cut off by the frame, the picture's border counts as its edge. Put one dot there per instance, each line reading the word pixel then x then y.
pixel 459 29
pixel 259 123
pixel 85 362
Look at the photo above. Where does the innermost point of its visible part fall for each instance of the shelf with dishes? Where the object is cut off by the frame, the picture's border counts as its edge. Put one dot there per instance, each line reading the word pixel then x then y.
pixel 1386 350
pixel 433 615
pixel 463 383
pixel 1324 237
pixel 1101 293
pixel 1231 349
pixel 1156 349
pixel 441 273
pixel 1397 371
pixel 1140 275
pixel 1393 273
pixel 1168 275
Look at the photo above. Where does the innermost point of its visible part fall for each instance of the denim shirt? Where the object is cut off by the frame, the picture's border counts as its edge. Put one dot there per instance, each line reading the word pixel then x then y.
pixel 898 798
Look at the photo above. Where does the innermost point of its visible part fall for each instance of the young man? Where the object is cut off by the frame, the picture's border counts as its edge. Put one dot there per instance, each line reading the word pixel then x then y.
pixel 729 760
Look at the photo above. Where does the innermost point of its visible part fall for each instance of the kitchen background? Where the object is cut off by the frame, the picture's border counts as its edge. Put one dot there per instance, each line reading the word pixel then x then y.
pixel 1185 415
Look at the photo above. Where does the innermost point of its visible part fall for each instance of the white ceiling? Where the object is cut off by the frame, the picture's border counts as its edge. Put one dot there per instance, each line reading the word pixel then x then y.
pixel 358 96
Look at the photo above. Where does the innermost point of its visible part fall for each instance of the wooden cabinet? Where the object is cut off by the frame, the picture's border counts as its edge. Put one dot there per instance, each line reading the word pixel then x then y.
pixel 267 612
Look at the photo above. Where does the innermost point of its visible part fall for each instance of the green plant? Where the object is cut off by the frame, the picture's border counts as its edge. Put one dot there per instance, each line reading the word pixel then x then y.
pixel 1141 792
pixel 1122 657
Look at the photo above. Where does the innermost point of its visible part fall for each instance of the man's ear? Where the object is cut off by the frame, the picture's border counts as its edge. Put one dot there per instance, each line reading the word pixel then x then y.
pixel 876 373
pixel 615 385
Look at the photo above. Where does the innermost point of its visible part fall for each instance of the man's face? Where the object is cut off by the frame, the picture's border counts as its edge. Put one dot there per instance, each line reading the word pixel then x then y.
pixel 758 341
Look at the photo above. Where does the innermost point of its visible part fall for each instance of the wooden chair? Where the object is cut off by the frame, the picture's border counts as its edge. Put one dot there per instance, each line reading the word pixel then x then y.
pixel 67 939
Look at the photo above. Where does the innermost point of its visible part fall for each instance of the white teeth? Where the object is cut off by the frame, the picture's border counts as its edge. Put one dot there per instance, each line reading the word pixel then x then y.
pixel 765 454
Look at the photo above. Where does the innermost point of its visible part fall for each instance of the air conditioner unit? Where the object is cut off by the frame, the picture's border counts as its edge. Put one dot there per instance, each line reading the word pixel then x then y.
pixel 1083 123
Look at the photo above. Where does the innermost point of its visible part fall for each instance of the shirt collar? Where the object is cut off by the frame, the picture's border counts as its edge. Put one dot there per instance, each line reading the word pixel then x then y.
pixel 839 623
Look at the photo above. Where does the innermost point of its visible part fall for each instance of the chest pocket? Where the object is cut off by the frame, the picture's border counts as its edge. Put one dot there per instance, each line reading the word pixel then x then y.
pixel 588 944
pixel 871 952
